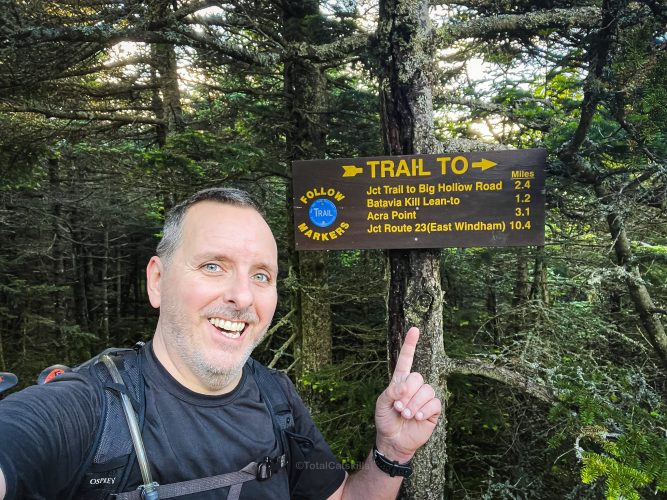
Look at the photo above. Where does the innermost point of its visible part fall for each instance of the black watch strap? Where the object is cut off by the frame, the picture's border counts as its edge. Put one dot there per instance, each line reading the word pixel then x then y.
pixel 393 468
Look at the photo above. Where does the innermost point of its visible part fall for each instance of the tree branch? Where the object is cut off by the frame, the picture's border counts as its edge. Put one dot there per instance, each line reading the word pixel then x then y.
pixel 280 323
pixel 529 23
pixel 499 373
pixel 342 49
pixel 120 63
pixel 107 35
pixel 234 51
pixel 281 351
pixel 84 116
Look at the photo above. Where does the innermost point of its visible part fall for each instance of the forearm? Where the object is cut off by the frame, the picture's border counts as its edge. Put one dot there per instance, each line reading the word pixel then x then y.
pixel 371 482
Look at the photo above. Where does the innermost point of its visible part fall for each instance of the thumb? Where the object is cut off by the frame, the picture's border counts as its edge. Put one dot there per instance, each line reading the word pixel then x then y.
pixel 392 393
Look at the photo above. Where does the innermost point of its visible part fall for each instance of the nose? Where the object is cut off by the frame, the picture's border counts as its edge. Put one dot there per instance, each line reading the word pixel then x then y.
pixel 238 291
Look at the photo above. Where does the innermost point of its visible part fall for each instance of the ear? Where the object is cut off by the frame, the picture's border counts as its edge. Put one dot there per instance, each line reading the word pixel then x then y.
pixel 154 275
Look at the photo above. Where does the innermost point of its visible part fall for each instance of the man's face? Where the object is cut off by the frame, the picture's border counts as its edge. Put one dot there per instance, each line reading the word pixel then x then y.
pixel 216 296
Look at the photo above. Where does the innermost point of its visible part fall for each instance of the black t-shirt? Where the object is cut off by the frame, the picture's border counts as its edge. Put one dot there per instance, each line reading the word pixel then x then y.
pixel 46 432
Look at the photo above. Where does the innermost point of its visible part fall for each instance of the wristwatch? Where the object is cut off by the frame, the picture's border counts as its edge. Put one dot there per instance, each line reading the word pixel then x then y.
pixel 393 468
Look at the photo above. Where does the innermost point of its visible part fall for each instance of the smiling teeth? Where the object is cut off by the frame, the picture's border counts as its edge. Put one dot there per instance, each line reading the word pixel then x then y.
pixel 230 329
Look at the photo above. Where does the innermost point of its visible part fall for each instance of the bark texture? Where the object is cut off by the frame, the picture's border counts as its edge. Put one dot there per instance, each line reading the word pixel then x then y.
pixel 641 298
pixel 415 293
pixel 538 288
pixel 305 92
pixel 167 103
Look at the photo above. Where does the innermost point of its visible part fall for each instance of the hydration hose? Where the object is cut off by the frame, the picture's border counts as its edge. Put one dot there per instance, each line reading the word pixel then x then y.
pixel 149 490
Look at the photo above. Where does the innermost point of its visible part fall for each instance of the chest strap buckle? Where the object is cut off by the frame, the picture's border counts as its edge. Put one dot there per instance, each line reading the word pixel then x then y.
pixel 264 469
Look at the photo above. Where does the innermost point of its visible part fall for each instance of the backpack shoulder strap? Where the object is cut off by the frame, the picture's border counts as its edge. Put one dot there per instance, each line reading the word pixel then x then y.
pixel 276 401
pixel 109 462
pixel 149 486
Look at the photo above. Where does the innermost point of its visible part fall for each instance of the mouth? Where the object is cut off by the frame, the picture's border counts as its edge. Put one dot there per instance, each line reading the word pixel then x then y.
pixel 230 329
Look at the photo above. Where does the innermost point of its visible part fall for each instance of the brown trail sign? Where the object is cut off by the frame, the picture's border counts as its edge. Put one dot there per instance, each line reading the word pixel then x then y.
pixel 486 198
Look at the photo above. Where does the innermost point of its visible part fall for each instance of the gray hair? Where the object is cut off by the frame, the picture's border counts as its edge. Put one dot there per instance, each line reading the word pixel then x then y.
pixel 173 224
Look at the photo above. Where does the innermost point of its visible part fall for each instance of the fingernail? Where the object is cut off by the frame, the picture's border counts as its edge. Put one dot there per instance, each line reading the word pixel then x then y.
pixel 398 405
pixel 407 413
pixel 419 415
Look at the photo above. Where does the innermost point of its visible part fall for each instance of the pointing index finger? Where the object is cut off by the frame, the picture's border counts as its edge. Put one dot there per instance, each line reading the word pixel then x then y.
pixel 407 355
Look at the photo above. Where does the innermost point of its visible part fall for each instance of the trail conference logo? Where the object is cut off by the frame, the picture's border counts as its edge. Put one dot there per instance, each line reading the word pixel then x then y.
pixel 324 221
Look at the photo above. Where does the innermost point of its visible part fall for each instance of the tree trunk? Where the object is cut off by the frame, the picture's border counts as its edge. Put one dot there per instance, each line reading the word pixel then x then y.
pixel 492 308
pixel 305 91
pixel 641 298
pixel 58 255
pixel 2 354
pixel 119 294
pixel 415 293
pixel 105 288
pixel 157 106
pixel 137 292
pixel 521 285
pixel 166 104
pixel 538 288
pixel 521 293
pixel 79 284
pixel 89 288
pixel 171 94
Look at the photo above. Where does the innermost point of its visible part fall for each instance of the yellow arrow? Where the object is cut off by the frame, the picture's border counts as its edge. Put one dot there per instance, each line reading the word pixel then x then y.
pixel 352 170
pixel 484 164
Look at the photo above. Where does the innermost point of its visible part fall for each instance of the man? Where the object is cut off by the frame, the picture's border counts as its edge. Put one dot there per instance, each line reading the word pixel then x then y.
pixel 214 282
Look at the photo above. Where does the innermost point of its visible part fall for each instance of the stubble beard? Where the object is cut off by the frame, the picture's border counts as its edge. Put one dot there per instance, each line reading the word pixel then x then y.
pixel 214 376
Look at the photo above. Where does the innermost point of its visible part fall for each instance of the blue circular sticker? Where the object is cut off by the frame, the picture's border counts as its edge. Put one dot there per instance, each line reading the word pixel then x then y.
pixel 322 212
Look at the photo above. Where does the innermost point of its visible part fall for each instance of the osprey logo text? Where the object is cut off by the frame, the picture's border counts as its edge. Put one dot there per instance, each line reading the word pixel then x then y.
pixel 102 480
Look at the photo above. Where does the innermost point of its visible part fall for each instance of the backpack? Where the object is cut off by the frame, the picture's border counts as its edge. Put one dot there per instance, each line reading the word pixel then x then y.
pixel 118 442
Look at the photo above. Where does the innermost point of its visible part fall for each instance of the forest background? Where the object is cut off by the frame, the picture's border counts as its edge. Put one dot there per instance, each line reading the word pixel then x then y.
pixel 551 361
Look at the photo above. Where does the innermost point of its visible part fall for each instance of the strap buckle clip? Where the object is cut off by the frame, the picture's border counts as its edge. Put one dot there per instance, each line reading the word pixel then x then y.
pixel 149 492
pixel 264 469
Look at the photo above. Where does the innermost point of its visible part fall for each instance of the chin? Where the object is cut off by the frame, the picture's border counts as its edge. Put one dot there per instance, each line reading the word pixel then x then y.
pixel 226 362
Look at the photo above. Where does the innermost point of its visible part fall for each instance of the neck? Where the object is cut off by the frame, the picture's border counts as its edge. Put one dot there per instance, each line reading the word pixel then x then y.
pixel 178 369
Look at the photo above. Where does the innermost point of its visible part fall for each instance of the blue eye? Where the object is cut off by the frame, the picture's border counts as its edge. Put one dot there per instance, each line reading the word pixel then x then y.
pixel 211 267
pixel 261 277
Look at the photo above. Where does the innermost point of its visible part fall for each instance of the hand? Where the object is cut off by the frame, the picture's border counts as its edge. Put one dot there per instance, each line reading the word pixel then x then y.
pixel 407 411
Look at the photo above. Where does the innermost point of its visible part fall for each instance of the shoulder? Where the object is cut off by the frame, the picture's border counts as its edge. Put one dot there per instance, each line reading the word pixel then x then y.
pixel 59 419
pixel 285 383
pixel 72 399
pixel 315 470
pixel 261 372
pixel 73 385
pixel 303 422
pixel 80 390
